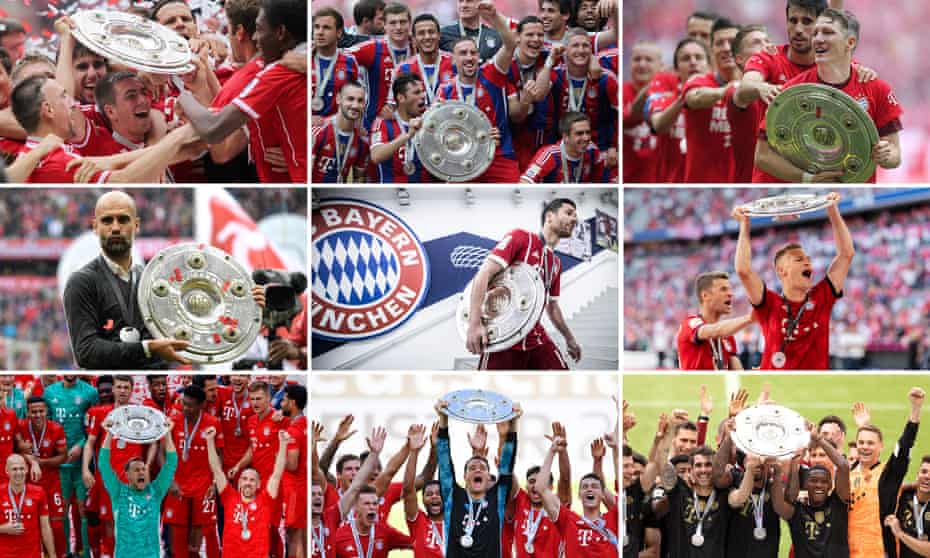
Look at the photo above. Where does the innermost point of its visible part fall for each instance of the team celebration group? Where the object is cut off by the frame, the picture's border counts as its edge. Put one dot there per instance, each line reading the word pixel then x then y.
pixel 546 83
pixel 227 479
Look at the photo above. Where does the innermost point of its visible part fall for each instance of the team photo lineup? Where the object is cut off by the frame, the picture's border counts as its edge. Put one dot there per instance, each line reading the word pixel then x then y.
pixel 153 465
pixel 464 489
pixel 465 91
pixel 797 91
pixel 772 467
pixel 130 91
pixel 838 286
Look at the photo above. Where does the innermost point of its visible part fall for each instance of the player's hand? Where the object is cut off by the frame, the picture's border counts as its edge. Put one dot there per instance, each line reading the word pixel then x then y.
pixel 629 421
pixel 434 433
pixel 707 402
pixel 598 449
pixel 275 157
pixel 344 430
pixel 277 416
pixel 738 402
pixel 866 74
pixel 294 61
pixel 861 414
pixel 607 8
pixel 768 92
pixel 891 521
pixel 478 440
pixel 751 463
pixel 416 437
pixel 495 135
pixel 883 153
pixel 376 440
pixel 574 349
pixel 284 437
pixel 662 427
pixel 209 433
pixel 558 431
pixel 210 493
pixel 11 528
pixel 63 26
pixel 555 55
pixel 316 433
pixel 487 10
pixel 387 112
pixel 827 176
pixel 611 158
pixel 476 339
pixel 439 407
pixel 48 144
pixel 231 474
pixel 35 472
pixel 533 91
pixel 739 213
pixel 175 490
pixel 916 397
pixel 414 126
pixel 283 349
pixel 594 69
pixel 88 480
pixel 679 416
pixel 75 453
pixel 166 349
pixel 258 295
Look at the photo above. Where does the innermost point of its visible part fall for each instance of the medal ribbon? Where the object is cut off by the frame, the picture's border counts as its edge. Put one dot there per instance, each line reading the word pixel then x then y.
pixel 919 516
pixel 319 539
pixel 599 527
pixel 411 149
pixel 576 174
pixel 36 445
pixel 341 156
pixel 358 541
pixel 17 507
pixel 716 349
pixel 470 99
pixel 245 517
pixel 238 409
pixel 758 505
pixel 532 524
pixel 702 513
pixel 626 528
pixel 792 322
pixel 188 436
pixel 573 104
pixel 473 515
pixel 437 536
pixel 324 78
pixel 431 84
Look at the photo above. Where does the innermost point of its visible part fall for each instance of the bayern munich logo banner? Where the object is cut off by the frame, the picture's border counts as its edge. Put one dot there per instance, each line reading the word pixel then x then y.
pixel 371 273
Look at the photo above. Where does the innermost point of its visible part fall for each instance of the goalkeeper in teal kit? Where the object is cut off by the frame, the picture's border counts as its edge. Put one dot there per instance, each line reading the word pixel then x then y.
pixel 137 505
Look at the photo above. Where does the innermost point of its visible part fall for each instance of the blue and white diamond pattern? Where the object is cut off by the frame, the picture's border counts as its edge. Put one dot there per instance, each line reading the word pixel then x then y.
pixel 353 268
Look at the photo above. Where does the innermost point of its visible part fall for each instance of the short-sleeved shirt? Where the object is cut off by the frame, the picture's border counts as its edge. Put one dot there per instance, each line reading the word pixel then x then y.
pixel 698 354
pixel 809 345
pixel 821 532
pixel 671 147
pixel 376 69
pixel 27 545
pixel 263 436
pixel 546 167
pixel 387 539
pixel 546 542
pixel 600 102
pixel 392 170
pixel 281 94
pixel 427 536
pixel 907 515
pixel 259 516
pixel 443 66
pixel 121 451
pixel 776 68
pixel 45 445
pixel 67 407
pixel 640 144
pixel 297 480
pixel 391 496
pixel 236 446
pixel 489 94
pixel 352 145
pixel 194 476
pixel 584 541
pixel 682 523
pixel 710 157
pixel 523 246
pixel 51 169
pixel 744 126
pixel 875 97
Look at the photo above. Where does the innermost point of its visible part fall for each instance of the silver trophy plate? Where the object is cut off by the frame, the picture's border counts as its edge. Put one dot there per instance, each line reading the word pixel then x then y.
pixel 513 305
pixel 787 204
pixel 134 41
pixel 138 424
pixel 198 293
pixel 479 406
pixel 454 143
pixel 770 431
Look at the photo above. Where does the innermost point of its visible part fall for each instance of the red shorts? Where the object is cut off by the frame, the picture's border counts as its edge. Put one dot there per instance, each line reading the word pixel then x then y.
pixel 503 170
pixel 56 503
pixel 295 507
pixel 188 510
pixel 544 357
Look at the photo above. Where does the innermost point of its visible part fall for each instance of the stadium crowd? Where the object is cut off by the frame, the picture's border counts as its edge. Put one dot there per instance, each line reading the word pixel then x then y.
pixel 885 303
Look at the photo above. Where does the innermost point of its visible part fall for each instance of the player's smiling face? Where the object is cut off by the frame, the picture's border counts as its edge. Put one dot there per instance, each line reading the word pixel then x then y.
pixel 818 486
pixel 580 136
pixel 578 51
pixel 138 475
pixel 465 56
pixel 88 69
pixel 531 39
pixel 628 473
pixel 818 456
pixel 249 483
pixel 587 16
pixel 721 48
pixel 432 500
pixel 427 36
pixel 397 27
pixel 38 413
pixel 869 446
pixel 701 470
pixel 800 29
pixel 753 42
pixel 645 61
pixel 923 478
pixel 830 42
pixel 130 112
pixel 590 491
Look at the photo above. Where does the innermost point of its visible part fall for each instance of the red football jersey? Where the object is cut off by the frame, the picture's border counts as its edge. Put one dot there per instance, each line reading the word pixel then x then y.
pixel 168 406
pixel 121 451
pixel 193 476
pixel 600 101
pixel 8 425
pixel 263 435
pixel 744 126
pixel 258 516
pixel 670 150
pixel 709 159
pixel 546 167
pixel 546 542
pixel 346 69
pixel 236 446
pixel 582 540
pixel 392 170
pixel 387 539
pixel 428 537
pixel 491 90
pixel 523 246
pixel 695 354
pixel 775 68
pixel 444 67
pixel 391 496
pixel 297 480
pixel 354 148
pixel 809 345
pixel 640 145
pixel 875 96
pixel 46 444
pixel 34 506
pixel 51 169
pixel 280 95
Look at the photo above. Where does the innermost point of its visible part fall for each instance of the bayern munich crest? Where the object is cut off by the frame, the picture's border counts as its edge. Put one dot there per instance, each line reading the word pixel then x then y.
pixel 370 271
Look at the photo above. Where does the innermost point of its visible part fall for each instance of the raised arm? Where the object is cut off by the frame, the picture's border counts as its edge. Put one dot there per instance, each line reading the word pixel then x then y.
pixel 738 496
pixel 704 97
pixel 216 464
pixel 343 432
pixel 751 281
pixel 782 507
pixel 845 250
pixel 658 454
pixel 564 487
pixel 383 481
pixel 504 54
pixel 375 445
pixel 280 463
pixel 842 466
pixel 316 437
pixel 721 475
pixel 550 501
pixel 416 439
